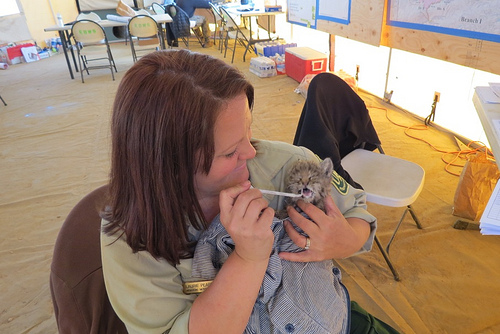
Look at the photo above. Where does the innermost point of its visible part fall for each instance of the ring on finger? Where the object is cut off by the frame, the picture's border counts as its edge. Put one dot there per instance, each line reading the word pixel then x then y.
pixel 308 243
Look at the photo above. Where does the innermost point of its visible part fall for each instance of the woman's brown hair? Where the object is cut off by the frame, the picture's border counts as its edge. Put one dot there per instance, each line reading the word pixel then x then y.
pixel 162 132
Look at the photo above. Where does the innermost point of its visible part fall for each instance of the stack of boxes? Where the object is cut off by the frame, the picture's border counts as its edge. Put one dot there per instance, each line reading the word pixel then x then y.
pixel 279 57
pixel 271 54
pixel 271 48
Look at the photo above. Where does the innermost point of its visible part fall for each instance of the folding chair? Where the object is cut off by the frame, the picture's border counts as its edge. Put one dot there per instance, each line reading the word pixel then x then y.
pixel 144 30
pixel 334 113
pixel 219 25
pixel 181 26
pixel 158 8
pixel 88 16
pixel 232 30
pixel 92 46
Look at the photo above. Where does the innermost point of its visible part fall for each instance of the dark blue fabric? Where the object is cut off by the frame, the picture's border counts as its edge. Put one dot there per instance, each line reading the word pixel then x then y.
pixel 180 21
pixel 189 6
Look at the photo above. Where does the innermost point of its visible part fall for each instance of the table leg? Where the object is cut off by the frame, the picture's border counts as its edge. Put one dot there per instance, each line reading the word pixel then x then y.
pixel 162 36
pixel 62 35
pixel 68 38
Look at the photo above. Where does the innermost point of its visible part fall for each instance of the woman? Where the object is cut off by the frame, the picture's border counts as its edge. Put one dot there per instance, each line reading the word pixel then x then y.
pixel 182 154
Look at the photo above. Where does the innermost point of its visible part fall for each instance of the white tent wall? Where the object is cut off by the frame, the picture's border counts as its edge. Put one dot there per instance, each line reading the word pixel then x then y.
pixel 89 5
pixel 34 17
pixel 38 14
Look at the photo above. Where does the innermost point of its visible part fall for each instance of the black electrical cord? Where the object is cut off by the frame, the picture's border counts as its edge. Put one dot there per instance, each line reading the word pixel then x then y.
pixel 431 116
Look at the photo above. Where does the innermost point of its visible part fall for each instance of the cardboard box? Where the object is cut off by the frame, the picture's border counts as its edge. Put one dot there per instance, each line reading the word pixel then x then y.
pixel 300 61
pixel 14 53
pixel 30 54
pixel 271 8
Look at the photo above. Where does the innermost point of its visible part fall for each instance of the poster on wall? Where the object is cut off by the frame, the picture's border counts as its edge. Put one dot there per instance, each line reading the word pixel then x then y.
pixel 302 12
pixel 307 12
pixel 478 19
pixel 337 11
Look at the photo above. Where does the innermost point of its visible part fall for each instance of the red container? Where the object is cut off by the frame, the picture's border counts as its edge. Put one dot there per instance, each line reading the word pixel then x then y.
pixel 300 61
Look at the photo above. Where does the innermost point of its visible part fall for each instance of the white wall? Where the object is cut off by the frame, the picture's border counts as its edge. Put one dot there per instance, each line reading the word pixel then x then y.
pixel 13 27
pixel 414 79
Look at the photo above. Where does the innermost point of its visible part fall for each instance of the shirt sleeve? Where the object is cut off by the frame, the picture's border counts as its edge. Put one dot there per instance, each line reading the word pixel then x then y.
pixel 145 293
pixel 352 203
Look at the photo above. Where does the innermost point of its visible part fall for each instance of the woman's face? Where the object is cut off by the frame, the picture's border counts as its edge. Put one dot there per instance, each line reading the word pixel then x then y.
pixel 232 150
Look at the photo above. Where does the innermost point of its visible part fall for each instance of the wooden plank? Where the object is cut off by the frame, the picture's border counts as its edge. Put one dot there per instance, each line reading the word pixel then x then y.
pixel 475 53
pixel 365 25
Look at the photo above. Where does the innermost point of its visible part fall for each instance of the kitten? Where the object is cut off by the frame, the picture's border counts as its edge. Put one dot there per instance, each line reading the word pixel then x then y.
pixel 310 179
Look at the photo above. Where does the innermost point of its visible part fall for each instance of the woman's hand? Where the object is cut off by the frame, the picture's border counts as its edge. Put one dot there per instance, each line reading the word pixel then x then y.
pixel 331 235
pixel 247 218
pixel 230 299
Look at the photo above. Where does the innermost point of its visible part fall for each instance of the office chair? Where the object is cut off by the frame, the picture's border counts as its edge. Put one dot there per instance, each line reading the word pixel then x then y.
pixel 336 115
pixel 144 29
pixel 81 304
pixel 234 31
pixel 92 46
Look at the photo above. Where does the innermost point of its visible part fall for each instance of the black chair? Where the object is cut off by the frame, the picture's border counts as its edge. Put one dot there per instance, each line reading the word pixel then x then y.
pixel 81 304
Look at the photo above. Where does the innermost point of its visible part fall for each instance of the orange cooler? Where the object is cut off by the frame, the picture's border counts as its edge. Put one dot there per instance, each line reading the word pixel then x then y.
pixel 300 61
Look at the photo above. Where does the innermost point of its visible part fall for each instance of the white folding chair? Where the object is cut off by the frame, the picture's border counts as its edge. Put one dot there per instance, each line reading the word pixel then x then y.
pixel 219 25
pixel 143 34
pixel 240 35
pixel 158 8
pixel 92 46
pixel 88 16
pixel 387 181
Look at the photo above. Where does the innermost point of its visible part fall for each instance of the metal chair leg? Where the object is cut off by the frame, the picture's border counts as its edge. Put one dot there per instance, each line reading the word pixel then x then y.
pixel 387 259
pixel 413 215
pixel 385 252
pixel 1 98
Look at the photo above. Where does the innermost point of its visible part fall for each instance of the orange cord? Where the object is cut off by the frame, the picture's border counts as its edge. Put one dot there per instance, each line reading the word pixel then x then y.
pixel 456 155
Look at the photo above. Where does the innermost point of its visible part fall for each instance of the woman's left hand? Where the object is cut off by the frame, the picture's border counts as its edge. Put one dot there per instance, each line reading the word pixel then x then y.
pixel 331 235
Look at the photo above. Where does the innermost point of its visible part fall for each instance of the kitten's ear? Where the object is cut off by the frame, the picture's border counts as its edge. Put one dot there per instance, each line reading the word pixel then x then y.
pixel 327 166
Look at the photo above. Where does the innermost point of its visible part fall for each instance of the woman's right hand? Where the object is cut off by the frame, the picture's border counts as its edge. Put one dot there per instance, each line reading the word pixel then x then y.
pixel 247 218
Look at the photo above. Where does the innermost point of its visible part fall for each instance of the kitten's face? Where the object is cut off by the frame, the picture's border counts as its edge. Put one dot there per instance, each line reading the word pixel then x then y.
pixel 311 180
